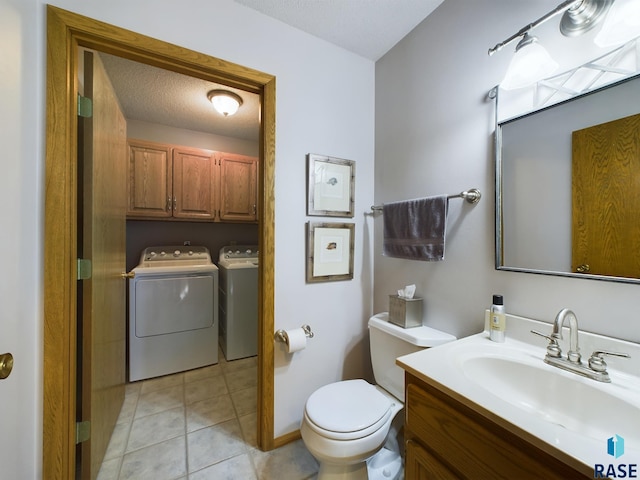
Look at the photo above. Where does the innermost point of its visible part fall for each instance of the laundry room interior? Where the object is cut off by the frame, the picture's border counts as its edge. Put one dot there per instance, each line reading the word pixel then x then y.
pixel 169 115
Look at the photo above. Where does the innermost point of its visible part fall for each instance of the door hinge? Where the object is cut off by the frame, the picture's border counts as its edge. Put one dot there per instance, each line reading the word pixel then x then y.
pixel 83 431
pixel 84 269
pixel 85 107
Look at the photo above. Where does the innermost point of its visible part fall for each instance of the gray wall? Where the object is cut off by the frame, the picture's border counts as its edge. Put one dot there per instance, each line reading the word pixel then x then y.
pixel 434 134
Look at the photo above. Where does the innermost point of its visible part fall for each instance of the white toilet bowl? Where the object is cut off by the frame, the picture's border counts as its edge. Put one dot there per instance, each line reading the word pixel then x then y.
pixel 346 423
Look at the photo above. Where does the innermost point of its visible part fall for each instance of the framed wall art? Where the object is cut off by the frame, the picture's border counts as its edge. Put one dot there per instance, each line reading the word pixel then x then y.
pixel 330 251
pixel 330 186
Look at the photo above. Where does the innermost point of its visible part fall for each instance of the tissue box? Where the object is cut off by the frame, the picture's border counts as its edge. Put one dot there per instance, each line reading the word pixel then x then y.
pixel 405 312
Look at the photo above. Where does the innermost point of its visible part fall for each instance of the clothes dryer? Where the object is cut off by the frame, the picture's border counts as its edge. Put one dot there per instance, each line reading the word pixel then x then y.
pixel 238 296
pixel 173 311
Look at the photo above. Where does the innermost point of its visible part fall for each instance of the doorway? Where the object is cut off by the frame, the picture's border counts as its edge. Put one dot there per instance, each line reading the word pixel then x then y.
pixel 66 32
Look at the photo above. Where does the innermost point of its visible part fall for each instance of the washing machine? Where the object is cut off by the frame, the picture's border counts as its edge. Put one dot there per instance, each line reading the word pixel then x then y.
pixel 238 301
pixel 173 311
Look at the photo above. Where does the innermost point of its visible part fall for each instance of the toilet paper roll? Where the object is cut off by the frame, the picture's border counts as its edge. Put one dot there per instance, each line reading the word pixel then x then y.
pixel 297 340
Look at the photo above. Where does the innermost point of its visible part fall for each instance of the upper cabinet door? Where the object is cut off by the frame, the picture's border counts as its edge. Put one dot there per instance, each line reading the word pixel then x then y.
pixel 238 187
pixel 150 192
pixel 194 180
pixel 184 183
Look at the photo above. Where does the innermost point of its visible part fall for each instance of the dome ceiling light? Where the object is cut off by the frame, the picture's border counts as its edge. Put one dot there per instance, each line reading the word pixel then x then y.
pixel 224 101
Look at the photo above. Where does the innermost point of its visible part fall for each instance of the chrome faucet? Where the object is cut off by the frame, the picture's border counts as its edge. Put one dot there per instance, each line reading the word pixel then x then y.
pixel 596 368
pixel 574 351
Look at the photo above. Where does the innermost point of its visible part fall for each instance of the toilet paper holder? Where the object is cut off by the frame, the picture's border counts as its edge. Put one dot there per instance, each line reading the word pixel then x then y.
pixel 281 335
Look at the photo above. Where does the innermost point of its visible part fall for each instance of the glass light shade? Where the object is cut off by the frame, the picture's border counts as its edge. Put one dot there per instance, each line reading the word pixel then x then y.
pixel 225 104
pixel 529 64
pixel 621 25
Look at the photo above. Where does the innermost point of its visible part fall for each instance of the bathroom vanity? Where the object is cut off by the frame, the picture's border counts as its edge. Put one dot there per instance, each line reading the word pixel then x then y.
pixel 479 409
pixel 451 439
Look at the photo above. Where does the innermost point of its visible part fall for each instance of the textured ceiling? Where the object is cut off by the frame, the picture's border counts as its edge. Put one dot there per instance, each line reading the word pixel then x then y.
pixel 369 28
pixel 159 96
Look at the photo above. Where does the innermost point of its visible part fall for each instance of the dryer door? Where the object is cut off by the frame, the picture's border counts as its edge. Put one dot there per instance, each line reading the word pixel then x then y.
pixel 173 304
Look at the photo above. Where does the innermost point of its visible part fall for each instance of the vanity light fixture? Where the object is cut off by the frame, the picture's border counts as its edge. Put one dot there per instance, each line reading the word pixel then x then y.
pixel 621 25
pixel 224 101
pixel 530 63
pixel 579 16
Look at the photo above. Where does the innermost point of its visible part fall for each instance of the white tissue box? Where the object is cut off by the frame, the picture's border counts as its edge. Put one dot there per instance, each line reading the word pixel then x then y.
pixel 405 312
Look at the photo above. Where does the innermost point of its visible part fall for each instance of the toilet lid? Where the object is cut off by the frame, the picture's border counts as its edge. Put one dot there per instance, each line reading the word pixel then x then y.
pixel 347 406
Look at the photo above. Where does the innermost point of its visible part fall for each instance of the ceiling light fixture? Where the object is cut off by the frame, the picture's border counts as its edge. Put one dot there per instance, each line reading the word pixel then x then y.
pixel 224 101
pixel 579 16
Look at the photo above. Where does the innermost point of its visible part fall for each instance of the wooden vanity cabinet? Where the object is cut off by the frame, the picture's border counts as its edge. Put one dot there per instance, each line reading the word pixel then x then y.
pixel 182 183
pixel 446 439
pixel 422 465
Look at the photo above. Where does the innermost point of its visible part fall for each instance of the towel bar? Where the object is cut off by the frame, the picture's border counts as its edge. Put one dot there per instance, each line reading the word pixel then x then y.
pixel 472 195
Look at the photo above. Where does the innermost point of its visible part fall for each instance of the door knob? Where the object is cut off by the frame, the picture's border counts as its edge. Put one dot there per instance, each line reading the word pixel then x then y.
pixel 583 268
pixel 126 275
pixel 6 365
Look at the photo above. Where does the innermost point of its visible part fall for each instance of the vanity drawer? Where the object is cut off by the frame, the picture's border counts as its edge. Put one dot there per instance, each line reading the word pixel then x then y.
pixel 420 464
pixel 471 445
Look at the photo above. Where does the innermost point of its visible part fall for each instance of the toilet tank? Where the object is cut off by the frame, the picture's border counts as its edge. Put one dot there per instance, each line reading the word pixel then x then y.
pixel 388 342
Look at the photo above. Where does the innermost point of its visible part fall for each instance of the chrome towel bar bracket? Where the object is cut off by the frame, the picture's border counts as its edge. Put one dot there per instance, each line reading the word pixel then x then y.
pixel 472 195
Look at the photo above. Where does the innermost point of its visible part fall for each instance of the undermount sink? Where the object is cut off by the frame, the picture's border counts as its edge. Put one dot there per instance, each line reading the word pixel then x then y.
pixel 565 399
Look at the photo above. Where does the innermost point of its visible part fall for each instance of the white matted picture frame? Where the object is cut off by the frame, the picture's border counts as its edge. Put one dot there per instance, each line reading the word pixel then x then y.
pixel 330 248
pixel 330 186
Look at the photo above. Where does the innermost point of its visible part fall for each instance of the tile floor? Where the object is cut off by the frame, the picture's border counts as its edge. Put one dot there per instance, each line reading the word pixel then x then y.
pixel 198 425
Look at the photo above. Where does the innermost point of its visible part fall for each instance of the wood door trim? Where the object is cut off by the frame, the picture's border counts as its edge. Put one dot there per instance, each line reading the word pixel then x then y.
pixel 67 31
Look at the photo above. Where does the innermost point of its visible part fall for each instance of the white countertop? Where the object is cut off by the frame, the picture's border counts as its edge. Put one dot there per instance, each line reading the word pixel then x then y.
pixel 441 367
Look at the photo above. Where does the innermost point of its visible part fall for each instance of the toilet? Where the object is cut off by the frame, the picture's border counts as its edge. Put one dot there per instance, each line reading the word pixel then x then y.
pixel 349 426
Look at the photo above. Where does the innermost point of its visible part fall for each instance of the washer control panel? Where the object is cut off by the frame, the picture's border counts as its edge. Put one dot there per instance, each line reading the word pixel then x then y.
pixel 170 253
pixel 239 252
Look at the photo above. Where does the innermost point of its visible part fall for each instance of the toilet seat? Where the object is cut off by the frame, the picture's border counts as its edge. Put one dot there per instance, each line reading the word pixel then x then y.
pixel 347 410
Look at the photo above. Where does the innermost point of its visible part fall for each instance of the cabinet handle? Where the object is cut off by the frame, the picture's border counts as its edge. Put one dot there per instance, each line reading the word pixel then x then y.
pixel 174 203
pixel 169 203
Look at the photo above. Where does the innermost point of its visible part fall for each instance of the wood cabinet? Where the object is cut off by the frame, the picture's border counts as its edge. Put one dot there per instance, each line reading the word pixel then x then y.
pixel 447 439
pixel 238 191
pixel 194 184
pixel 421 465
pixel 150 180
pixel 173 182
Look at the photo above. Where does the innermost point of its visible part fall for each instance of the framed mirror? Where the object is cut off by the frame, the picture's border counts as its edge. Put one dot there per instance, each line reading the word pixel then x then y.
pixel 568 187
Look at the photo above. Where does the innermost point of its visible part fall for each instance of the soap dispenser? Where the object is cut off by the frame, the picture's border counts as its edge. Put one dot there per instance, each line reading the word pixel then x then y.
pixel 497 324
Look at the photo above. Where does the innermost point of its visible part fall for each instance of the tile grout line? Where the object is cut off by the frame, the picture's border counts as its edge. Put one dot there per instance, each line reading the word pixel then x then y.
pixel 129 427
pixel 184 413
pixel 244 440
